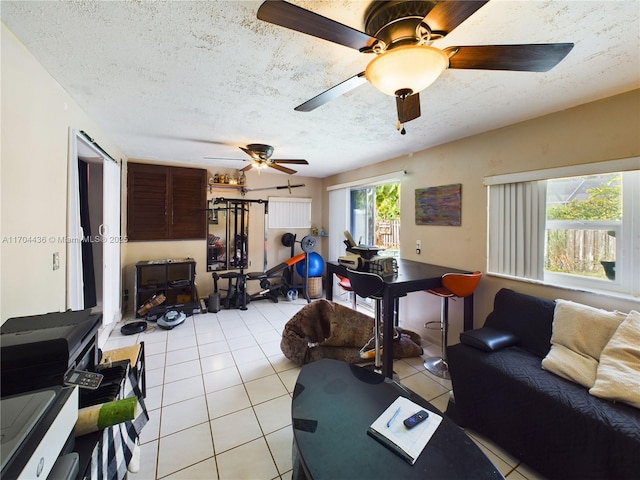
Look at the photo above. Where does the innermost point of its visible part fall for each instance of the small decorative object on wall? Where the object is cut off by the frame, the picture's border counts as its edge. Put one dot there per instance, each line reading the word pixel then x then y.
pixel 439 205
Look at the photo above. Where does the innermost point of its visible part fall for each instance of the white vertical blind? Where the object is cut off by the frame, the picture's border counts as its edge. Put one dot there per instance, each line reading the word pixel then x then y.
pixel 338 221
pixel 289 212
pixel 516 229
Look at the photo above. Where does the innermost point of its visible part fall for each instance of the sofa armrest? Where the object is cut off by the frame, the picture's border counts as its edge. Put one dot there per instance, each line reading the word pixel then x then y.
pixel 488 339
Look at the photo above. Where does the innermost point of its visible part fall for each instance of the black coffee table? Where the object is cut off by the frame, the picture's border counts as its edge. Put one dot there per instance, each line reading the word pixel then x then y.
pixel 333 405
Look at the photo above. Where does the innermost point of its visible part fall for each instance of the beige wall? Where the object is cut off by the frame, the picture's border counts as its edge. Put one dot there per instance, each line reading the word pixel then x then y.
pixel 603 130
pixel 36 116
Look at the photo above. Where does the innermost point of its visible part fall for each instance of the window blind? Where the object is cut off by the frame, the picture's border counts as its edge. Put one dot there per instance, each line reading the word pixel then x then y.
pixel 516 229
pixel 289 212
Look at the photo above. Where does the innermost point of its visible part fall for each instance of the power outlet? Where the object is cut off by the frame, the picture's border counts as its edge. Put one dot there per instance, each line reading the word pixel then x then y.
pixel 418 246
pixel 56 260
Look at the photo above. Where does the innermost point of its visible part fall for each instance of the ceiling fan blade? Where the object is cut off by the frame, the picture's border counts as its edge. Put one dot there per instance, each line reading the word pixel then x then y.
pixel 252 154
pixel 281 168
pixel 294 160
pixel 332 93
pixel 297 18
pixel 408 108
pixel 526 58
pixel 446 16
pixel 247 168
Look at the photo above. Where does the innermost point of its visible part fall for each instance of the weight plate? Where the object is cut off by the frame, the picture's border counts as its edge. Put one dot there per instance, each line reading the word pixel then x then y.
pixel 288 239
pixel 308 243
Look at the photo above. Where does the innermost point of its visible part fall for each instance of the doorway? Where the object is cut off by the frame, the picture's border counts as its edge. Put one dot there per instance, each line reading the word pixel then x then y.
pixel 93 230
pixel 375 216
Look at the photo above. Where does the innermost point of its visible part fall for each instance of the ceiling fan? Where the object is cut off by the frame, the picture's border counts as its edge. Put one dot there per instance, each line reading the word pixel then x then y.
pixel 400 34
pixel 261 156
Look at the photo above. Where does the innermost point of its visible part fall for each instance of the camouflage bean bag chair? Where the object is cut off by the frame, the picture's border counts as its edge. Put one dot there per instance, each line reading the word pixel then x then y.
pixel 324 329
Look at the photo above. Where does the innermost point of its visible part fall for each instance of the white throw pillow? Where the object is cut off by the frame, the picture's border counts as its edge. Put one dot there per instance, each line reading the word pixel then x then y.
pixel 618 376
pixel 580 333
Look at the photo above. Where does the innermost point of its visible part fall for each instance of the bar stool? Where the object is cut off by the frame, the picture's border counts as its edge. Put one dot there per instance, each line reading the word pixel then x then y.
pixel 369 285
pixel 454 285
pixel 345 284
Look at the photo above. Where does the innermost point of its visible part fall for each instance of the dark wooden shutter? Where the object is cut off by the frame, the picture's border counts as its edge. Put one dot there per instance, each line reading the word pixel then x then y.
pixel 147 206
pixel 165 203
pixel 188 200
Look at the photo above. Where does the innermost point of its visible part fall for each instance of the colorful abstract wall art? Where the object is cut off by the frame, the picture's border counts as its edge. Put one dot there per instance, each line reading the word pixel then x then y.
pixel 439 205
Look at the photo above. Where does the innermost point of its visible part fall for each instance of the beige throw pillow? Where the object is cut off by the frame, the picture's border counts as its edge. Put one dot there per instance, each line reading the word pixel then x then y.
pixel 579 335
pixel 618 376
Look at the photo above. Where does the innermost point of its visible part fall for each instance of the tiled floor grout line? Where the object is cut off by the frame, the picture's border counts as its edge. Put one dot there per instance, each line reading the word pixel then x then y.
pixel 264 435
pixel 206 402
pixel 252 406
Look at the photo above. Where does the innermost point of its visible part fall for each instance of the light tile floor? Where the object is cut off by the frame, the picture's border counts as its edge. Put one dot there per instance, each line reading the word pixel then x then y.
pixel 219 397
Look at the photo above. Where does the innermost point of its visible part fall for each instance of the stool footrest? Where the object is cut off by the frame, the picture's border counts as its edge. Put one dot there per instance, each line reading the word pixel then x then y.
pixel 429 325
pixel 438 367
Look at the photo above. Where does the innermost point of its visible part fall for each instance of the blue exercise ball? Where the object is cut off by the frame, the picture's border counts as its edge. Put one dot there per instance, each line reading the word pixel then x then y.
pixel 316 265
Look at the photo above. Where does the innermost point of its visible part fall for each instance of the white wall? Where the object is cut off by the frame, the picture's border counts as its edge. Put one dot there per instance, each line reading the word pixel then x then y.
pixel 603 130
pixel 36 115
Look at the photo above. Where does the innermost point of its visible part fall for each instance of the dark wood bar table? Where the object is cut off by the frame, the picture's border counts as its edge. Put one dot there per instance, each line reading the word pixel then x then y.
pixel 411 277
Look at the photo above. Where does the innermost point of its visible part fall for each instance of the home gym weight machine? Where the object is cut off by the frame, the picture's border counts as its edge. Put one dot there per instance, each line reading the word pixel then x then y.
pixel 227 249
pixel 234 213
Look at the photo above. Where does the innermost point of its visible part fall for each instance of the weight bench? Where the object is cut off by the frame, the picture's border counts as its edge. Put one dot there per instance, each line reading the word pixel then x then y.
pixel 269 290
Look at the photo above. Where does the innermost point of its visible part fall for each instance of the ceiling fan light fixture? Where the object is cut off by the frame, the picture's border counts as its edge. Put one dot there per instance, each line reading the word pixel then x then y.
pixel 412 67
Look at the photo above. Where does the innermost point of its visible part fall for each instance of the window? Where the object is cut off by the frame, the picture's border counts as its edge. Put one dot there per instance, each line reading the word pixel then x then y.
pixel 576 231
pixel 584 218
pixel 375 216
pixel 363 212
pixel 165 203
pixel 355 213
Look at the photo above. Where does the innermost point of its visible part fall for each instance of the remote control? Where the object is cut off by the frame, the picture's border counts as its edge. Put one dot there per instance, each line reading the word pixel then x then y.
pixel 415 419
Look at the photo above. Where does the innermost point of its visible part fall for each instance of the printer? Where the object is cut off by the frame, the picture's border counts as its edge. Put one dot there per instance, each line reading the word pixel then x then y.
pixel 38 411
pixel 365 258
pixel 38 350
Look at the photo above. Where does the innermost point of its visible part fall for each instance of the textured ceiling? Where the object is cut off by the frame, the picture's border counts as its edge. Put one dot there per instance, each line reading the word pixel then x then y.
pixel 179 81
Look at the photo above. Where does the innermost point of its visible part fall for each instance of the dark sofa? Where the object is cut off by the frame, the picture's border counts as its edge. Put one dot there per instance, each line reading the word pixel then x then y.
pixel 551 424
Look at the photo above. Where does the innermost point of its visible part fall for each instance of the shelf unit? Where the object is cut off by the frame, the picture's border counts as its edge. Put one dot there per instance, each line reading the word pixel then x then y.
pixel 174 278
pixel 226 186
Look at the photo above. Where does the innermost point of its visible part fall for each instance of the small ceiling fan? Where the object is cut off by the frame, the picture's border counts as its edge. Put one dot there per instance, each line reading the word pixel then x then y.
pixel 261 156
pixel 400 34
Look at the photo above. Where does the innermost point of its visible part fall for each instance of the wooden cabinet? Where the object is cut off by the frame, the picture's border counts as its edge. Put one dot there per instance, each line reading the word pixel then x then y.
pixel 173 278
pixel 165 203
